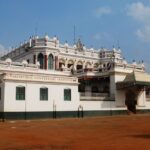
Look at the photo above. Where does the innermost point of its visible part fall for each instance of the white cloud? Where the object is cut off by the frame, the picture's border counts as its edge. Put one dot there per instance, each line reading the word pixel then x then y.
pixel 102 11
pixel 141 14
pixel 144 34
pixel 139 11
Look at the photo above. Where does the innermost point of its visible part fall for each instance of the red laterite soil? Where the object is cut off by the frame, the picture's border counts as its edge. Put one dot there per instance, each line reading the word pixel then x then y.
pixel 101 133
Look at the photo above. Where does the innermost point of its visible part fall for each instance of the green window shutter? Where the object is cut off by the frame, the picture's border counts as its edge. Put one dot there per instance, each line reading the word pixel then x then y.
pixel 41 60
pixel 67 94
pixel 20 93
pixel 50 61
pixel 43 93
pixel 17 96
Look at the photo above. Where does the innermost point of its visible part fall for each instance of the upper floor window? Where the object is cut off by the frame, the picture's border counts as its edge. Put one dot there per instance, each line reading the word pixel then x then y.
pixel 43 93
pixel 67 94
pixel 50 61
pixel 41 60
pixel 20 93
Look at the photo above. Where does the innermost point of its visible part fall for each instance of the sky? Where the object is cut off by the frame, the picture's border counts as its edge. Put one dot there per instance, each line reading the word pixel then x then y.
pixel 98 23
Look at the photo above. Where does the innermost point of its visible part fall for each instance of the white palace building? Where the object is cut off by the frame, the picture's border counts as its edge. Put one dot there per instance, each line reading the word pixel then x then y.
pixel 45 79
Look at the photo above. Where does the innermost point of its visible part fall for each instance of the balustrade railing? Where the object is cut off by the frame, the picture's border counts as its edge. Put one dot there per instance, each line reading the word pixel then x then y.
pixel 88 96
pixel 94 94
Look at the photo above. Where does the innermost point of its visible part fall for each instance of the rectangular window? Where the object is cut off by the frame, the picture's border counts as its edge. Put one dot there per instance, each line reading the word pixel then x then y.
pixel 20 93
pixel 43 93
pixel 67 94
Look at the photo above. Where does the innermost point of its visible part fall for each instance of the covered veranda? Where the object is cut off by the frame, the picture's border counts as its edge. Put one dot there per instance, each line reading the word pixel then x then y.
pixel 136 87
pixel 94 88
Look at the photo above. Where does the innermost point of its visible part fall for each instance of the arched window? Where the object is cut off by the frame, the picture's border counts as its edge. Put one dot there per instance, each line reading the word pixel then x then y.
pixel 96 65
pixel 61 63
pixel 41 60
pixel 20 93
pixel 50 62
pixel 79 65
pixel 88 65
pixel 70 63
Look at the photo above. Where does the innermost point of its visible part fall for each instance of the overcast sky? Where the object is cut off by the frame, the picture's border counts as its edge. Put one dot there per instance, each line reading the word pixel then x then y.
pixel 98 23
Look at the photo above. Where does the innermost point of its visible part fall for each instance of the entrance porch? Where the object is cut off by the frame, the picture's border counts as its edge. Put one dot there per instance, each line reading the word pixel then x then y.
pixel 136 89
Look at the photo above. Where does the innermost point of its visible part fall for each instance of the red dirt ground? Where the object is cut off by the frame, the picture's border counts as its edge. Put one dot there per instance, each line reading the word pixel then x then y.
pixel 101 133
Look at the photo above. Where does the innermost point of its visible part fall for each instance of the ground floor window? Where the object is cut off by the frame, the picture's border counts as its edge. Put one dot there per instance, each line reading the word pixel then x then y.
pixel 20 93
pixel 67 94
pixel 43 93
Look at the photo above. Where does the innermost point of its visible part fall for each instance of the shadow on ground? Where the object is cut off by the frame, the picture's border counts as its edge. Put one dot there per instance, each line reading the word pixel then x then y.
pixel 145 136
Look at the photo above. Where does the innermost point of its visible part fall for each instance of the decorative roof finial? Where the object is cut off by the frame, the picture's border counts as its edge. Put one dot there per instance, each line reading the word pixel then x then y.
pixel 79 45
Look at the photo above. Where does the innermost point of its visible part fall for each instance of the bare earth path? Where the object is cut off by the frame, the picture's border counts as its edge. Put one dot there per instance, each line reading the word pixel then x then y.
pixel 101 133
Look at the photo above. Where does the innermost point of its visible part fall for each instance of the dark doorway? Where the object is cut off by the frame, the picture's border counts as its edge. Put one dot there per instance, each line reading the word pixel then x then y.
pixel 131 101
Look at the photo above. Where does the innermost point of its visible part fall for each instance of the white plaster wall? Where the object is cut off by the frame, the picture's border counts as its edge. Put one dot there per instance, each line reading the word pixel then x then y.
pixel 100 105
pixel 33 103
pixel 56 96
pixel 120 98
pixel 119 94
pixel 112 86
pixel 2 85
pixel 142 103
pixel 141 99
pixel 96 105
pixel 10 98
pixel 113 92
pixel 147 105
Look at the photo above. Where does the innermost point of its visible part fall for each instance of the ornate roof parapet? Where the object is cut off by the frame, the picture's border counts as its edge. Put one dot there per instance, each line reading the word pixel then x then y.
pixel 66 45
pixel 8 61
pixel 9 64
pixel 46 37
pixel 134 67
pixel 79 50
pixel 25 63
pixel 113 55
pixel 56 41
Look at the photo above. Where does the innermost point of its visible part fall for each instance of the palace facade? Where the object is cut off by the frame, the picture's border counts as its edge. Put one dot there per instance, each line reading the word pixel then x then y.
pixel 43 79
